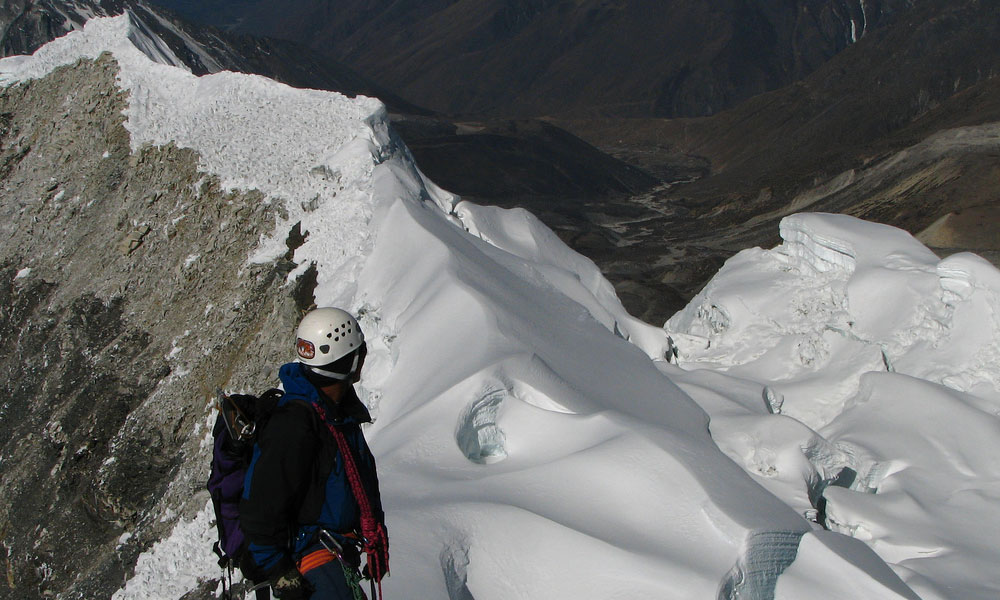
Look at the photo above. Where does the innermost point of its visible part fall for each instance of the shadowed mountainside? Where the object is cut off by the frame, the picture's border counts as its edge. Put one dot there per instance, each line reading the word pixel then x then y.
pixel 513 58
pixel 896 129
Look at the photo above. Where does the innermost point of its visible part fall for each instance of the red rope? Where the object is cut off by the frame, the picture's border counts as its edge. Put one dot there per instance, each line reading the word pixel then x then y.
pixel 376 541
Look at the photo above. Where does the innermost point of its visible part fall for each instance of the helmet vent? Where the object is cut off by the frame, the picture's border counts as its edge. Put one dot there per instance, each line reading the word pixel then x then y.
pixel 334 332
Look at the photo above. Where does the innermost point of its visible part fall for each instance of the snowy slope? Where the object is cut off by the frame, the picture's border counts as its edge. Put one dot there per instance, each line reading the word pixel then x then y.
pixel 876 357
pixel 531 438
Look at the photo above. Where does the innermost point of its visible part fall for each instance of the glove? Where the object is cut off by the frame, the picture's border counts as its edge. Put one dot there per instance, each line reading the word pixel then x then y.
pixel 288 584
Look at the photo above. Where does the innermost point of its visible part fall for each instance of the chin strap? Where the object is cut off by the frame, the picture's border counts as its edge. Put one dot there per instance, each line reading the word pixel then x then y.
pixel 338 376
pixel 375 540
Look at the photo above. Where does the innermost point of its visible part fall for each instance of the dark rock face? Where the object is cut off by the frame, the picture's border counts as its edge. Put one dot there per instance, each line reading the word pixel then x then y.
pixel 224 14
pixel 71 379
pixel 593 58
pixel 24 28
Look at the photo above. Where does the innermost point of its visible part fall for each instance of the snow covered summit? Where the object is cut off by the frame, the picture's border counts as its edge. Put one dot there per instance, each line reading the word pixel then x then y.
pixel 533 441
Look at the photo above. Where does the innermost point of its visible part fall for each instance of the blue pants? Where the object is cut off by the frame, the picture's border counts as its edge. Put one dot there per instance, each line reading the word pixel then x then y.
pixel 330 582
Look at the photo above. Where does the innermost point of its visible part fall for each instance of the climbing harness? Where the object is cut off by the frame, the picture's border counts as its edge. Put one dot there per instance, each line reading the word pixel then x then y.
pixel 334 549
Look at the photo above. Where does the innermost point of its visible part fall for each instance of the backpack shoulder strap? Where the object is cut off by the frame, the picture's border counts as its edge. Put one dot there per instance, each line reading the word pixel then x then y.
pixel 267 402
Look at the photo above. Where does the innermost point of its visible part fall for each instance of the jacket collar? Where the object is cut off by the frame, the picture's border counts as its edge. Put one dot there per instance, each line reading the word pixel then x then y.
pixel 349 410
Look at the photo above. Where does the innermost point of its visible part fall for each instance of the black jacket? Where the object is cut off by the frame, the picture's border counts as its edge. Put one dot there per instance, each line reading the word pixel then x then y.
pixel 296 482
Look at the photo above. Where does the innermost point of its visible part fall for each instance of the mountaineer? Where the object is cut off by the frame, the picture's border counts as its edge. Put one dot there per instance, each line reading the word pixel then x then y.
pixel 311 500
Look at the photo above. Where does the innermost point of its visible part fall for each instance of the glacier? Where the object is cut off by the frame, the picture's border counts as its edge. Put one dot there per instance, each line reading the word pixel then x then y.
pixel 858 351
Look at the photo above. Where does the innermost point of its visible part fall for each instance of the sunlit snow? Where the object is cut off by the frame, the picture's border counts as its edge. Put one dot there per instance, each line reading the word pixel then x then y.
pixel 534 442
pixel 880 364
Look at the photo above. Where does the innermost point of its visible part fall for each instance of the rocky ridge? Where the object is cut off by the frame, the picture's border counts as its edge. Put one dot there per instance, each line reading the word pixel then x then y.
pixel 127 299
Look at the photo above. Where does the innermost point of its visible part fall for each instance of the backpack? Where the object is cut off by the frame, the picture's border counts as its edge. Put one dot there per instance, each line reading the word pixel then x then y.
pixel 241 417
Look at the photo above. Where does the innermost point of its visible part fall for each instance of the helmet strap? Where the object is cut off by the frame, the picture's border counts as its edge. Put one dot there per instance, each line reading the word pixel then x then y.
pixel 321 372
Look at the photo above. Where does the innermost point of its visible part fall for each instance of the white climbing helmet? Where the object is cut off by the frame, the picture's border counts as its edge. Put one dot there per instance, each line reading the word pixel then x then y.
pixel 325 335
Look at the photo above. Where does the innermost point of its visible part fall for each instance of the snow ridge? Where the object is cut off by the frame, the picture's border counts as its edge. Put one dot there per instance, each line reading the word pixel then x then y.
pixel 312 151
